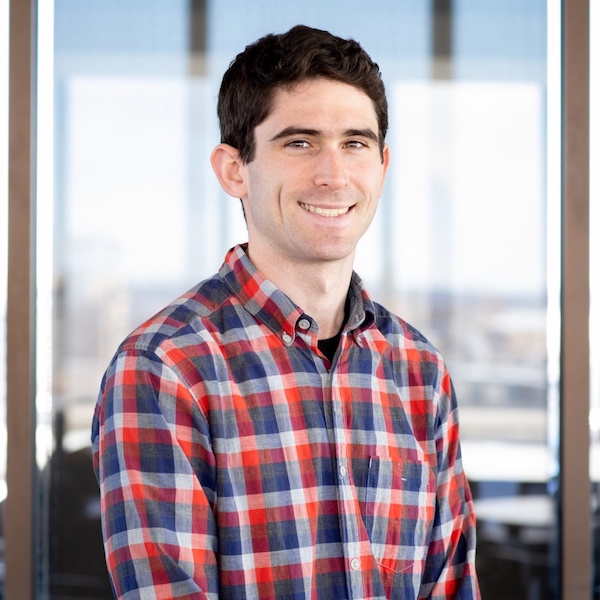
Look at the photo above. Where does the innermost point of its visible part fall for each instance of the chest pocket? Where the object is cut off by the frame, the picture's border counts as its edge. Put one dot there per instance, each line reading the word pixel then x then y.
pixel 397 500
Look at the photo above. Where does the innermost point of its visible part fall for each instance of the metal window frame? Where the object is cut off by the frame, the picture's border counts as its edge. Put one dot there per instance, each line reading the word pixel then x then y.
pixel 575 489
pixel 20 515
pixel 574 509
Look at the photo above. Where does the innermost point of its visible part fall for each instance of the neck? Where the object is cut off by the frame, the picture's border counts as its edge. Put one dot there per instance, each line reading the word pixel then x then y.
pixel 320 288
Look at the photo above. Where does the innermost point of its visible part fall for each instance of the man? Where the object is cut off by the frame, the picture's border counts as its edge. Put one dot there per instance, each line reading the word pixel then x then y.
pixel 275 433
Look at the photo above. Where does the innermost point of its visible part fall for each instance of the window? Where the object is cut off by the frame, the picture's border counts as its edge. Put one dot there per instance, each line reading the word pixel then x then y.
pixel 466 244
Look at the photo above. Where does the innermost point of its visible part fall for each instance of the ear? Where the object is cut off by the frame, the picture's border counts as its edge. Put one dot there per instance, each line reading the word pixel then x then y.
pixel 227 165
pixel 386 159
pixel 385 163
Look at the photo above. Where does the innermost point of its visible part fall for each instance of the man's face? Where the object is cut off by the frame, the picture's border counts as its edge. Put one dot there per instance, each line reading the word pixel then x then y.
pixel 314 184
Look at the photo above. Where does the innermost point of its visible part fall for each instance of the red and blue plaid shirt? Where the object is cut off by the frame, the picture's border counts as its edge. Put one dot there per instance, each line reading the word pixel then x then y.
pixel 236 462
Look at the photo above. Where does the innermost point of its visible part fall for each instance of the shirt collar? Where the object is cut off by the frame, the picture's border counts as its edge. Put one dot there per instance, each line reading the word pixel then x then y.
pixel 277 311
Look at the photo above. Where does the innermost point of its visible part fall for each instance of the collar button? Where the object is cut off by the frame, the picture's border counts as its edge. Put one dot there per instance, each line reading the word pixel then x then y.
pixel 304 324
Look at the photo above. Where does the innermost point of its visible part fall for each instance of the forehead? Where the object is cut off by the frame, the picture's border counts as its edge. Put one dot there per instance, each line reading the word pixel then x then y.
pixel 322 100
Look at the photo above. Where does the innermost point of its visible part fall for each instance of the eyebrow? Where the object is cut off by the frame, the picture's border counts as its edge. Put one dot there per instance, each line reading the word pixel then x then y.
pixel 291 131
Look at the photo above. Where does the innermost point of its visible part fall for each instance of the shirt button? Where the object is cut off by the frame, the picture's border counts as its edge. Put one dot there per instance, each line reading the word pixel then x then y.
pixel 286 337
pixel 343 471
pixel 304 324
pixel 355 564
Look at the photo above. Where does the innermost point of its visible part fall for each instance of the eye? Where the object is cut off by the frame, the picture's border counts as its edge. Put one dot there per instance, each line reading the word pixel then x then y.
pixel 298 144
pixel 355 144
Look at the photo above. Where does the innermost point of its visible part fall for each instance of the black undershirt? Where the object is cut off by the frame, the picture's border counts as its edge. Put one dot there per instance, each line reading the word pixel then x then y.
pixel 329 346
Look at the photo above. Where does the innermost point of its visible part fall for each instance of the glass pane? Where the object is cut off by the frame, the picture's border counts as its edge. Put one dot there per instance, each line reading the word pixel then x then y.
pixel 458 247
pixel 470 270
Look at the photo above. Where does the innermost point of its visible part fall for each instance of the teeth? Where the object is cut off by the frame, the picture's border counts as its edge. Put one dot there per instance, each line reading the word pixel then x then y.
pixel 325 212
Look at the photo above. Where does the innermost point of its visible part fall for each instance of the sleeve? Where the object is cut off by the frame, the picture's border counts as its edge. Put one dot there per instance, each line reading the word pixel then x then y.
pixel 450 567
pixel 153 460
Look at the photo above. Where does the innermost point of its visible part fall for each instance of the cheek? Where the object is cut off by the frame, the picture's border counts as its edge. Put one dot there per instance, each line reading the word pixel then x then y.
pixel 266 182
pixel 373 188
pixel 369 176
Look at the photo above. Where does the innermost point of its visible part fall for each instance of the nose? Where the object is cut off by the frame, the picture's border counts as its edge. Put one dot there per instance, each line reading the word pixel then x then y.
pixel 330 170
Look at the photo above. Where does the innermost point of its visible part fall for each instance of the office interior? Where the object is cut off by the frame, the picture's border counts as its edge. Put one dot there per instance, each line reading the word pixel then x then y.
pixel 483 240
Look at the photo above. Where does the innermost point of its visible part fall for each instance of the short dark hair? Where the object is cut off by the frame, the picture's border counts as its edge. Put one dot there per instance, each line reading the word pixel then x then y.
pixel 281 61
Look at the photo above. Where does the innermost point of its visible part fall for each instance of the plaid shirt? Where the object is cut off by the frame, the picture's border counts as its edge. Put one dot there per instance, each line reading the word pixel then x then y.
pixel 235 462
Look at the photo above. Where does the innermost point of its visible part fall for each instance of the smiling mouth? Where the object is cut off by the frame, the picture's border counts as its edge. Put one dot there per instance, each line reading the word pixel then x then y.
pixel 325 212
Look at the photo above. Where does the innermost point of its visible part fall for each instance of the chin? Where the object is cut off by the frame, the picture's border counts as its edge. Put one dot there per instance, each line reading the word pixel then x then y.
pixel 335 255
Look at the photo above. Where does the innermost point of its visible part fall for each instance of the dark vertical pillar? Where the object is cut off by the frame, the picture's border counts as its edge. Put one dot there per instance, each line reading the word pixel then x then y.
pixel 442 39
